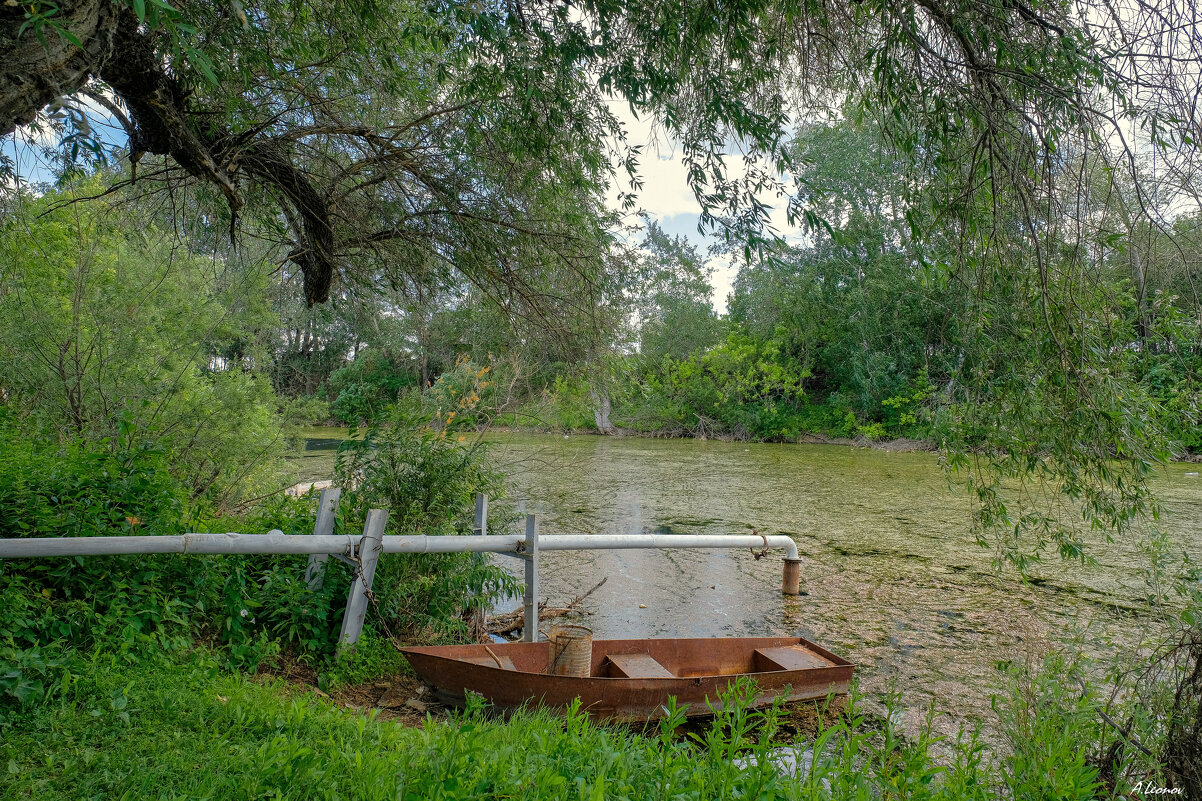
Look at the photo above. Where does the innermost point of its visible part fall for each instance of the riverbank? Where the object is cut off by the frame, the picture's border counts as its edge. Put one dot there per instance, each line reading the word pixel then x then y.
pixel 329 432
pixel 895 445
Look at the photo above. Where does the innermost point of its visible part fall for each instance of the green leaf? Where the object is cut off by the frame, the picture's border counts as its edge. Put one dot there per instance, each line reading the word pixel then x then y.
pixel 202 63
pixel 27 690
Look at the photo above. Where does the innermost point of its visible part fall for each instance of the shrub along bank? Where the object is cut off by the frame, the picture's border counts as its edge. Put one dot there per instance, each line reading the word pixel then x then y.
pixel 254 608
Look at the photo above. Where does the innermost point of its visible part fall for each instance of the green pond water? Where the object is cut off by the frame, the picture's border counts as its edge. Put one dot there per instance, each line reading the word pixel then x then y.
pixel 893 577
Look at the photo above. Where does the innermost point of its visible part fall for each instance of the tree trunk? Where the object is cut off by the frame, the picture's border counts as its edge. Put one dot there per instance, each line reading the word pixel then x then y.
pixel 116 48
pixel 600 396
pixel 33 75
pixel 1140 279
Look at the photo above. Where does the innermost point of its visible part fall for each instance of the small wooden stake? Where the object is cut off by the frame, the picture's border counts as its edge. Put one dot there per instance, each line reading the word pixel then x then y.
pixel 530 631
pixel 356 600
pixel 327 510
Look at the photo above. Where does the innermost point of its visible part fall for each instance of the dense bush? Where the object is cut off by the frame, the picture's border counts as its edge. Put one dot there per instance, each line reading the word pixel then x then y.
pixel 108 326
pixel 60 606
pixel 254 606
pixel 363 390
pixel 85 490
pixel 427 478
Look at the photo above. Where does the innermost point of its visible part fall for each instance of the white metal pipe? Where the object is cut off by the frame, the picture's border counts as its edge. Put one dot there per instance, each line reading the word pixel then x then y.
pixel 588 542
pixel 468 543
pixel 497 543
pixel 273 542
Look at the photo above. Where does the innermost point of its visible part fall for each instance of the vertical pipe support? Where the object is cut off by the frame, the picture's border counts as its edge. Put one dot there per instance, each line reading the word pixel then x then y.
pixel 791 581
pixel 327 510
pixel 530 630
pixel 481 526
pixel 357 599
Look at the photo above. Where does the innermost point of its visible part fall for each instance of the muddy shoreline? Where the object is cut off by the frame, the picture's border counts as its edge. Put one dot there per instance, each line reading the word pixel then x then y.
pixel 898 445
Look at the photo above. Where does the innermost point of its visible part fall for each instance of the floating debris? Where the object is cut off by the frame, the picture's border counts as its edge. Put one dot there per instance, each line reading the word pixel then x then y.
pixel 516 620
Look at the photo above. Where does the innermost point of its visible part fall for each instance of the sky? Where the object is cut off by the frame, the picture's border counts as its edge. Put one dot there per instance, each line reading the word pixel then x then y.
pixel 667 198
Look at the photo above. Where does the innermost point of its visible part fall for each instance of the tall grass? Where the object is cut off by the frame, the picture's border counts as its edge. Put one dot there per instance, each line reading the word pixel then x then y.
pixel 164 726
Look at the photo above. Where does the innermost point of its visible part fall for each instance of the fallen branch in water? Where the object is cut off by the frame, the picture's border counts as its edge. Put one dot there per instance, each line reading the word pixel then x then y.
pixel 516 620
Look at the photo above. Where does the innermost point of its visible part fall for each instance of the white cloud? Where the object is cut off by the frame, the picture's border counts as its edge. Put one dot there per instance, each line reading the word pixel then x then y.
pixel 723 280
pixel 665 191
pixel 666 194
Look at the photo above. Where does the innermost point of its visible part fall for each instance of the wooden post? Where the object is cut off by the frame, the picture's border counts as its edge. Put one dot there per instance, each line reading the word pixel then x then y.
pixel 481 526
pixel 530 632
pixel 327 510
pixel 356 600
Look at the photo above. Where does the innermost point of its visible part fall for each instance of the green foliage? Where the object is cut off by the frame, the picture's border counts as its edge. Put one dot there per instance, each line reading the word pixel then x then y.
pixel 1169 367
pixel 566 405
pixel 360 392
pixel 172 723
pixel 26 674
pixel 462 399
pixel 672 298
pixel 743 387
pixel 1043 421
pixel 308 410
pixel 906 406
pixel 263 605
pixel 253 604
pixel 374 657
pixel 1049 729
pixel 427 480
pixel 82 490
pixel 107 327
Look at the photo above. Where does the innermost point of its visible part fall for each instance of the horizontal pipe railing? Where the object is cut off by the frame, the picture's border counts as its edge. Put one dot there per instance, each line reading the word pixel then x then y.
pixel 276 542
pixel 584 542
pixel 273 542
pixel 466 543
pixel 365 549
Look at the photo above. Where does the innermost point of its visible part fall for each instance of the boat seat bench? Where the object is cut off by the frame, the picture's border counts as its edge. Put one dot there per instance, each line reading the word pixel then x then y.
pixel 637 666
pixel 789 657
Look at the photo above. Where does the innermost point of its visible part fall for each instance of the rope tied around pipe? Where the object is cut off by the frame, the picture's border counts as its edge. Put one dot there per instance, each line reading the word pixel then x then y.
pixel 762 552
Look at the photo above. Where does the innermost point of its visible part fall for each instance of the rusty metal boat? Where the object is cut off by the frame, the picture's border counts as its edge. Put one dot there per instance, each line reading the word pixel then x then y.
pixel 633 679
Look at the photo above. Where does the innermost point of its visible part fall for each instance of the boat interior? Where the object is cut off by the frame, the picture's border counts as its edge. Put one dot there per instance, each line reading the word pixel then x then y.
pixel 664 659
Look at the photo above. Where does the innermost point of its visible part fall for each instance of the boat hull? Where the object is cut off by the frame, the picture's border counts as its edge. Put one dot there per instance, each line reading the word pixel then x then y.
pixel 696 672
